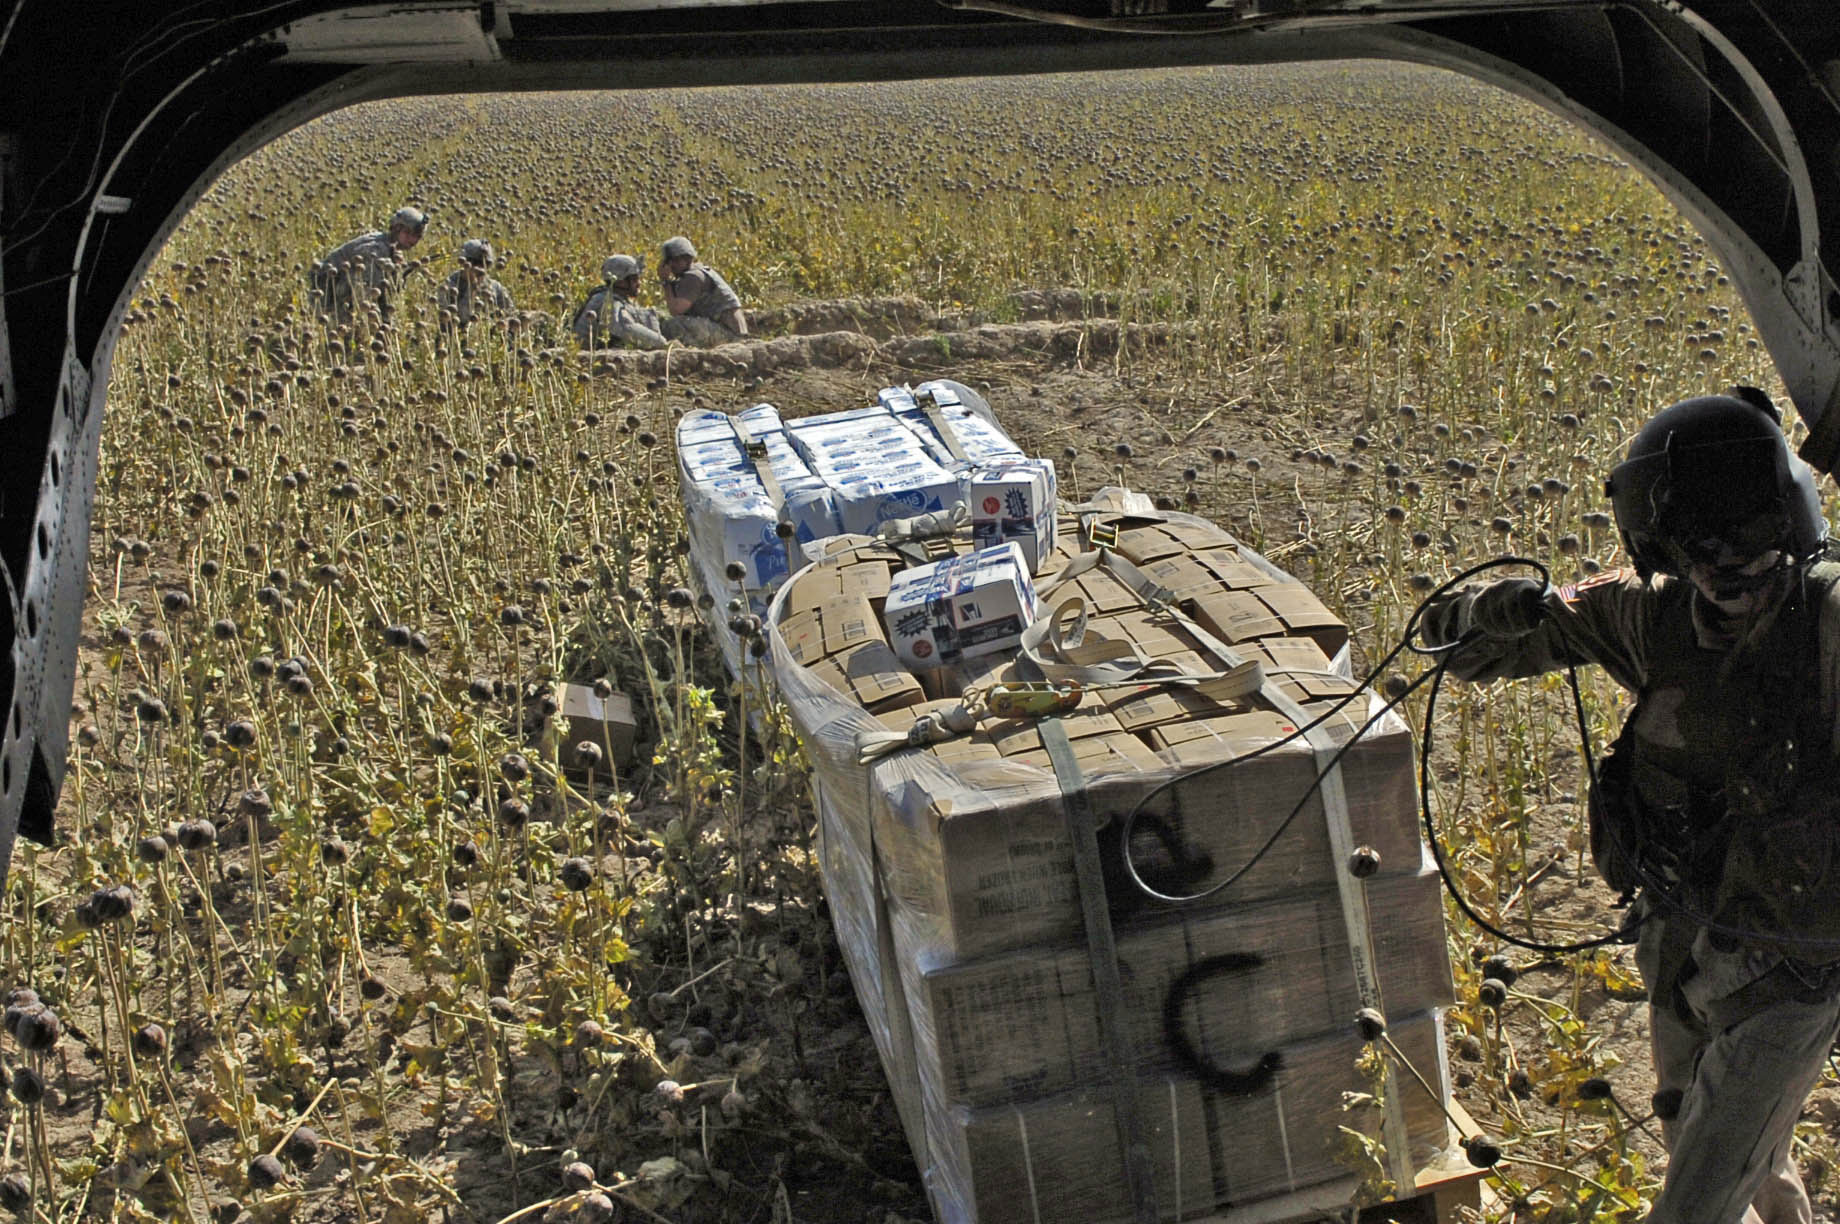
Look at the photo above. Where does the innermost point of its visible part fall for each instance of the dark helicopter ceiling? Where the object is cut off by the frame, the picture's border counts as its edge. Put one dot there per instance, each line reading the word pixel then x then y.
pixel 116 114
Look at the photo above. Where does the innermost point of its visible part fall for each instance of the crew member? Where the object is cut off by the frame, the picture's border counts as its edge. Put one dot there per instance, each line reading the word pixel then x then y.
pixel 1718 808
pixel 471 290
pixel 610 317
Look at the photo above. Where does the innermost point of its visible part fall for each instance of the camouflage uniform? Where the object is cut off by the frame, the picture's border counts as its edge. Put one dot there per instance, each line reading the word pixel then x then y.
pixel 607 319
pixel 1740 1028
pixel 468 299
pixel 715 315
pixel 367 267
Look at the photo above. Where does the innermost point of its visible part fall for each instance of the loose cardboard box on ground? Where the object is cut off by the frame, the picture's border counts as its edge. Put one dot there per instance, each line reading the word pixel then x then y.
pixel 606 722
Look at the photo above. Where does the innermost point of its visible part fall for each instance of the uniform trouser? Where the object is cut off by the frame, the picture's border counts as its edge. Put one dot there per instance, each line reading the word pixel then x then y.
pixel 694 329
pixel 1742 1088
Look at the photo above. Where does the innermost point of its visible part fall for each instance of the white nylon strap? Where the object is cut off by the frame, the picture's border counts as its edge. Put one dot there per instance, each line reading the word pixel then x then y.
pixel 1355 917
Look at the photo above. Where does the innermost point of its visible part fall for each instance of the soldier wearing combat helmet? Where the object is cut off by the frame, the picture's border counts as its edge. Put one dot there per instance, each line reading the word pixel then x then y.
pixel 368 269
pixel 471 291
pixel 703 308
pixel 610 316
pixel 1718 808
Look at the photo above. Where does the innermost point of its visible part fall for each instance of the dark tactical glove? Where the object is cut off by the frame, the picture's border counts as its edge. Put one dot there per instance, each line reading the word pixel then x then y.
pixel 1442 621
pixel 1511 608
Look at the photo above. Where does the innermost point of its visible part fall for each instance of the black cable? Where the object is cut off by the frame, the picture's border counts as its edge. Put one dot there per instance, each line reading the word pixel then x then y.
pixel 1366 682
pixel 1620 935
pixel 1434 677
pixel 1130 819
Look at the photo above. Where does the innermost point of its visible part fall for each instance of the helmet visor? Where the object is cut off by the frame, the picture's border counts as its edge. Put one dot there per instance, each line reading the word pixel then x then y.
pixel 1723 497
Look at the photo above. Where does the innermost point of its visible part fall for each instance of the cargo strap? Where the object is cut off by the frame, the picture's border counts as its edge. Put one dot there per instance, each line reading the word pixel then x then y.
pixel 1334 794
pixel 942 425
pixel 924 538
pixel 1058 647
pixel 756 452
pixel 1108 984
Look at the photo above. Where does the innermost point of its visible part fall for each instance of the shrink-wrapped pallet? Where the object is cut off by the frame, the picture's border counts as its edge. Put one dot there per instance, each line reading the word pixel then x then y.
pixel 964 932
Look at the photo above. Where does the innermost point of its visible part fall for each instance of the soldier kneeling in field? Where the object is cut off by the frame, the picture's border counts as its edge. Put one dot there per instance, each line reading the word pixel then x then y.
pixel 470 292
pixel 704 309
pixel 367 269
pixel 1718 808
pixel 610 317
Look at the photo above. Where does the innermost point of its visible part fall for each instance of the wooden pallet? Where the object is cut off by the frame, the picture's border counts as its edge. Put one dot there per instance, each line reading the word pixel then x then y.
pixel 1449 1191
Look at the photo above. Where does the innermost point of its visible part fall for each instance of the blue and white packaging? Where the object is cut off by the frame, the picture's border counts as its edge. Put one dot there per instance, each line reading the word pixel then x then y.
pixel 812 507
pixel 737 525
pixel 729 512
pixel 980 441
pixel 877 469
pixel 866 501
pixel 1014 501
pixel 961 608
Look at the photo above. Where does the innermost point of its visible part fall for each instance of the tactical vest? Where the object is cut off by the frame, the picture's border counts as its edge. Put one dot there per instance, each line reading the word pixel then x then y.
pixel 1730 787
pixel 595 304
pixel 717 299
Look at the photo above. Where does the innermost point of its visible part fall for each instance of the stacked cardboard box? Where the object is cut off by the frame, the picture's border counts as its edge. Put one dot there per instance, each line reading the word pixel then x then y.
pixel 951 874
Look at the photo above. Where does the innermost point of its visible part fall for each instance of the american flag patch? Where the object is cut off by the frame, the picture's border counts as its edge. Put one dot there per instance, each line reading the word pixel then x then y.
pixel 1571 590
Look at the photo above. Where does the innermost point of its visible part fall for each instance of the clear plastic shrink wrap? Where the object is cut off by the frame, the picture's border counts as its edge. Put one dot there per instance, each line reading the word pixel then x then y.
pixel 952 886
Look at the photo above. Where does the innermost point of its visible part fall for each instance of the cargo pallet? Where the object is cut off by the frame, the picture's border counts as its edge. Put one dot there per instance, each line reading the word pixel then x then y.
pixel 1450 1191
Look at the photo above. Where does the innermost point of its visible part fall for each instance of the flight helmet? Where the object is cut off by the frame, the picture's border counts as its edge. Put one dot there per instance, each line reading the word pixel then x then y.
pixel 1713 475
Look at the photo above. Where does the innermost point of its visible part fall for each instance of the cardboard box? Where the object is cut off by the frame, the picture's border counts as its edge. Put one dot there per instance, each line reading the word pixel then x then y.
pixel 605 721
pixel 859 914
pixel 964 934
pixel 994 871
pixel 832 627
pixel 1149 707
pixel 1149 542
pixel 1182 575
pixel 1233 616
pixel 1025 1024
pixel 1014 502
pixel 868 578
pixel 871 675
pixel 1057 1159
pixel 1100 755
pixel 977 604
pixel 1304 615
